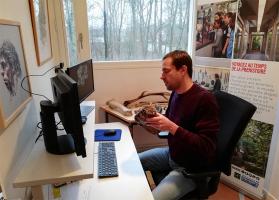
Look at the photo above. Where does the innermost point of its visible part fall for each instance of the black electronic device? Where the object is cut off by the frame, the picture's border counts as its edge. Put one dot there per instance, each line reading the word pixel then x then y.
pixel 82 73
pixel 109 132
pixel 107 161
pixel 66 104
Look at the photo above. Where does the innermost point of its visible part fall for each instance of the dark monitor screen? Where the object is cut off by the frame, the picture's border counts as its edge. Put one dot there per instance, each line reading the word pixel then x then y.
pixel 82 73
pixel 66 104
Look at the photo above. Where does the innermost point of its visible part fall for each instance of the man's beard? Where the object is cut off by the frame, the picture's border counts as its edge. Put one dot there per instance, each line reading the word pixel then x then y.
pixel 171 87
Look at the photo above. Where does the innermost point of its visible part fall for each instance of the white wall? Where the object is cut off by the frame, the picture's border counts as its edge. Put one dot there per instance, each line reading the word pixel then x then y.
pixel 17 140
pixel 125 81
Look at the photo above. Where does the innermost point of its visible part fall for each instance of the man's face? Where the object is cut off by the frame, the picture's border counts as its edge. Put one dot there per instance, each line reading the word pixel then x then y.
pixel 217 25
pixel 7 74
pixel 216 17
pixel 170 75
pixel 226 20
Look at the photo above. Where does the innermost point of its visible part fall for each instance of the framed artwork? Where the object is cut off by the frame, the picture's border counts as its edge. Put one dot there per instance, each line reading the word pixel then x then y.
pixel 13 98
pixel 40 23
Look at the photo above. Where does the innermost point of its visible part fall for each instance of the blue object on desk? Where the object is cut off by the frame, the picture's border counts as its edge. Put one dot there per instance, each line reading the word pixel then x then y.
pixel 100 135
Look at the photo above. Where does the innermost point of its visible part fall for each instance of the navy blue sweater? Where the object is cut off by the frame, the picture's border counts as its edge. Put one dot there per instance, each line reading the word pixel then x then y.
pixel 197 114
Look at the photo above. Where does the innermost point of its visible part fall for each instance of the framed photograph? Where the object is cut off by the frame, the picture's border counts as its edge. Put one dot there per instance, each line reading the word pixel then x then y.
pixel 40 23
pixel 12 69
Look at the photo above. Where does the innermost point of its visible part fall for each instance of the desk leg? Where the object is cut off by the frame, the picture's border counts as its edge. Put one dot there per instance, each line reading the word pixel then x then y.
pixel 131 128
pixel 37 192
pixel 106 117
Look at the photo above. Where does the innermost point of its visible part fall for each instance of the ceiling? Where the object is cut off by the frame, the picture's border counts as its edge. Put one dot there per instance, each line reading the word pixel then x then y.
pixel 249 11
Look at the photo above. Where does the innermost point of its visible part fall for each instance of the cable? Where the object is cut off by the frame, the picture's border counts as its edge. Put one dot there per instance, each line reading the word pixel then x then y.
pixel 21 84
pixel 59 129
pixel 39 126
pixel 41 131
pixel 40 134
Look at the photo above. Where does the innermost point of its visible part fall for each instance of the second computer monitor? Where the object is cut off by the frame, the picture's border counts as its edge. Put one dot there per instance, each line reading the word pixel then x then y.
pixel 82 73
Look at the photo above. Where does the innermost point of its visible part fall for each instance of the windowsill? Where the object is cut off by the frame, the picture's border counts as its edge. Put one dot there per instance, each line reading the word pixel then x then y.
pixel 133 64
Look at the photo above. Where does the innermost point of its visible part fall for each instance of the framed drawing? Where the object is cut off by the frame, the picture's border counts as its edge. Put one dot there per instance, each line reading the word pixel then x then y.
pixel 40 23
pixel 12 69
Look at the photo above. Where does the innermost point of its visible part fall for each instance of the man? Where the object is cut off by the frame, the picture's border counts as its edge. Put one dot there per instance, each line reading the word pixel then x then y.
pixel 218 42
pixel 9 67
pixel 192 122
pixel 231 24
pixel 217 84
pixel 229 20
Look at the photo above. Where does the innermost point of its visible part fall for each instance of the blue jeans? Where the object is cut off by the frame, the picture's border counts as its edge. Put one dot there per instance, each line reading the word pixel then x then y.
pixel 173 185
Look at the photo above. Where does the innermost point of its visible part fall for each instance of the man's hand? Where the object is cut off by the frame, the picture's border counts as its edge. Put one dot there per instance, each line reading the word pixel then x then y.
pixel 162 123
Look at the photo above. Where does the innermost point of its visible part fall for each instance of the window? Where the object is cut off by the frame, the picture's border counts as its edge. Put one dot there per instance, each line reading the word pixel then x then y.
pixel 70 31
pixel 138 29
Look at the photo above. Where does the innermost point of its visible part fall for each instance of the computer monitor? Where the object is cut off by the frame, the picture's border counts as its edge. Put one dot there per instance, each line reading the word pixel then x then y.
pixel 82 73
pixel 66 104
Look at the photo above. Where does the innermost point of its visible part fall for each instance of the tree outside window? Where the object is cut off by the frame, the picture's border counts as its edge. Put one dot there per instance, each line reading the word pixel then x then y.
pixel 137 29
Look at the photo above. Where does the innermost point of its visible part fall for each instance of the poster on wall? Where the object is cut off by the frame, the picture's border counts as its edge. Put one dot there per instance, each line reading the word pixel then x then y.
pixel 253 70
pixel 254 81
pixel 254 78
pixel 215 27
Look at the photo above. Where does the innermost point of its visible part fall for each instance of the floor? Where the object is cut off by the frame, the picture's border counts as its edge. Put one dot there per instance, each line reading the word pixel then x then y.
pixel 226 193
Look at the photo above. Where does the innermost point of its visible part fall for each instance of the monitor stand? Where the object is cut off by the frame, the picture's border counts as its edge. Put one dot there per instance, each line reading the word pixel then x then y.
pixel 59 145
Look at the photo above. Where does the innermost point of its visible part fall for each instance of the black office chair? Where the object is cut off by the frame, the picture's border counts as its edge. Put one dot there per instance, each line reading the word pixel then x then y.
pixel 235 113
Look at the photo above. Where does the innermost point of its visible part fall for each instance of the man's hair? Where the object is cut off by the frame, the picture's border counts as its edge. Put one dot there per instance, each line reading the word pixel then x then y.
pixel 232 17
pixel 219 14
pixel 8 52
pixel 180 58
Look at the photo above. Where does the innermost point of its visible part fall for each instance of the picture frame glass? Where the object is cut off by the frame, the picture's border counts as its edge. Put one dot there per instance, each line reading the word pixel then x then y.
pixel 41 30
pixel 12 70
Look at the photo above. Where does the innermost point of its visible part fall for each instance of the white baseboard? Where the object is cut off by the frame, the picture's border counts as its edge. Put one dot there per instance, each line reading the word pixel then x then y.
pixel 269 196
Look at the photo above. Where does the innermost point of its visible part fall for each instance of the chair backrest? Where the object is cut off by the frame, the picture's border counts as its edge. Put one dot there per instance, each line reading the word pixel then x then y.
pixel 235 114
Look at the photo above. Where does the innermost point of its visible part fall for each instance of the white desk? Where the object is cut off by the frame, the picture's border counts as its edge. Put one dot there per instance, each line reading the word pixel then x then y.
pixel 131 183
pixel 43 168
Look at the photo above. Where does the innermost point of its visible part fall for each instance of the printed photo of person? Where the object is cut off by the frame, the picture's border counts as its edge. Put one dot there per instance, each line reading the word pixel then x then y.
pixel 229 21
pixel 10 67
pixel 215 29
pixel 212 78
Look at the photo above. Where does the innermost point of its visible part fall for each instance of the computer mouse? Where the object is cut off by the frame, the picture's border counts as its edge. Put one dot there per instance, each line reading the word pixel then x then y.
pixel 109 132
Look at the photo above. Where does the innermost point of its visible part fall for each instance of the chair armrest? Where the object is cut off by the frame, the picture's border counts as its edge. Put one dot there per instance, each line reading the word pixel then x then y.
pixel 163 134
pixel 201 174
